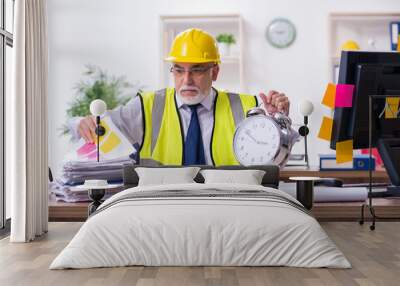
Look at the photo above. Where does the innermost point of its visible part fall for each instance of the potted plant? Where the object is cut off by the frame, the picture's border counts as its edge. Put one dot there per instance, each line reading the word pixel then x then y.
pixel 225 40
pixel 98 85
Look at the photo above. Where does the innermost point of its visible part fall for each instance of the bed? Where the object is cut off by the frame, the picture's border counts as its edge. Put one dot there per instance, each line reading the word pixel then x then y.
pixel 201 224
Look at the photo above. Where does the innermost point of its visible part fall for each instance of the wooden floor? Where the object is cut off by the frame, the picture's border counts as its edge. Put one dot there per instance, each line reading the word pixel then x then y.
pixel 374 255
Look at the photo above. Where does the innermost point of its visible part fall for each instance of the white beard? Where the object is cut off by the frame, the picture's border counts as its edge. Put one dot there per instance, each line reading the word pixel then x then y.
pixel 191 100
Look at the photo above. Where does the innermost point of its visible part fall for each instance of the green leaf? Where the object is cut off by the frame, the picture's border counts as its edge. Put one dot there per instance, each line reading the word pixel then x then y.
pixel 97 84
pixel 226 38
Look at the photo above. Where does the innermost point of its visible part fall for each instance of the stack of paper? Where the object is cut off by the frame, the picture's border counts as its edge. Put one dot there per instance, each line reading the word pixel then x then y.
pixel 76 172
pixel 330 194
pixel 69 194
pixel 115 151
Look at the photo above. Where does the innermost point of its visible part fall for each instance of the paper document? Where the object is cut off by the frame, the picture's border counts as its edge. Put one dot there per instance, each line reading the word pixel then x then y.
pixel 330 194
pixel 113 144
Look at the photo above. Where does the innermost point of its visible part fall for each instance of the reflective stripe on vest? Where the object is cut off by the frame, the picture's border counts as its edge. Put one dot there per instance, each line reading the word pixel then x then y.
pixel 163 135
pixel 230 110
pixel 163 139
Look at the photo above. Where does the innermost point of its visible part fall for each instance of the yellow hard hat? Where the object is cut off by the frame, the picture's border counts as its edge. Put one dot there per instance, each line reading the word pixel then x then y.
pixel 350 46
pixel 194 46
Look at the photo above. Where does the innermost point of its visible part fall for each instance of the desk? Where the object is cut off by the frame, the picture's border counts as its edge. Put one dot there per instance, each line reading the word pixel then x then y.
pixel 322 211
pixel 348 177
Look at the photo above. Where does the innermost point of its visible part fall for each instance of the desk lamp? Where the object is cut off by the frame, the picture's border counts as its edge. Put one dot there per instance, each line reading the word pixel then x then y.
pixel 98 107
pixel 306 108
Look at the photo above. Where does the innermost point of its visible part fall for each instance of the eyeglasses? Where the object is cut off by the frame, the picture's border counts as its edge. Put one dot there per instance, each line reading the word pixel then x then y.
pixel 195 71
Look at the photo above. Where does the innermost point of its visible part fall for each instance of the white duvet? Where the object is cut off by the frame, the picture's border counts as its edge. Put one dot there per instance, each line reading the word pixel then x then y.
pixel 183 231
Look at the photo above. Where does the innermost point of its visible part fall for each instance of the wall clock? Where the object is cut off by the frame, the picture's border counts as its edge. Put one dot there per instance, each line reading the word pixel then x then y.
pixel 281 33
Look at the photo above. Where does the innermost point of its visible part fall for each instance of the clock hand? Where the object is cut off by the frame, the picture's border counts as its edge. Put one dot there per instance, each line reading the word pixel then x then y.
pixel 248 133
pixel 266 142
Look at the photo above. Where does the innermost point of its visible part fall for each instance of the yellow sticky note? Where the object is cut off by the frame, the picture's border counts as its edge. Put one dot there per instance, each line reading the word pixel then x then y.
pixel 325 132
pixel 344 151
pixel 110 143
pixel 398 43
pixel 392 107
pixel 329 96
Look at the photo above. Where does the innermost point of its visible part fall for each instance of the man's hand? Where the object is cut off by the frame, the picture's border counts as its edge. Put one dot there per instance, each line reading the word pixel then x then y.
pixel 275 102
pixel 87 129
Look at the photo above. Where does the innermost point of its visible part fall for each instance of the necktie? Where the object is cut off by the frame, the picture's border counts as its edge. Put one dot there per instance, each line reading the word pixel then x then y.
pixel 194 149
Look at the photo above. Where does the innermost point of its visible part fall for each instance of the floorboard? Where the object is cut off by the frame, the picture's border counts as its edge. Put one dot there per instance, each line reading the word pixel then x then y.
pixel 374 255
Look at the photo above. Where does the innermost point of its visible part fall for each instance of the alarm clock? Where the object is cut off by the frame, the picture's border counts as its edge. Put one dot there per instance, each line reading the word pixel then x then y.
pixel 263 139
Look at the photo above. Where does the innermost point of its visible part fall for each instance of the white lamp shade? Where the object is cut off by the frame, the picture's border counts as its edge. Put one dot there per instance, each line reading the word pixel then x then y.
pixel 98 107
pixel 306 107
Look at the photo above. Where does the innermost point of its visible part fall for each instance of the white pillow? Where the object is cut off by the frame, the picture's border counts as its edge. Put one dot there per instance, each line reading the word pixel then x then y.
pixel 166 176
pixel 248 177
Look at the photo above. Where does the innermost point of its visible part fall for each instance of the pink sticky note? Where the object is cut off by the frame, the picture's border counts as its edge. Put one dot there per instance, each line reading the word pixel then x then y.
pixel 92 156
pixel 344 95
pixel 85 149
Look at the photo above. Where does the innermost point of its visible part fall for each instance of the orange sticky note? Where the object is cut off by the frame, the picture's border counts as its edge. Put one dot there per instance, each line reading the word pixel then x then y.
pixel 392 107
pixel 344 151
pixel 325 132
pixel 329 96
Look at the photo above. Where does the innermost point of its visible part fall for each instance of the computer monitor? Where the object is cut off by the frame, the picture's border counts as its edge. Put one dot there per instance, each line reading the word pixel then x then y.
pixel 389 149
pixel 371 73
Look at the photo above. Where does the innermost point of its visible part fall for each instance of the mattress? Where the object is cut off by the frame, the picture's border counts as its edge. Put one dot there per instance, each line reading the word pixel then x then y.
pixel 201 225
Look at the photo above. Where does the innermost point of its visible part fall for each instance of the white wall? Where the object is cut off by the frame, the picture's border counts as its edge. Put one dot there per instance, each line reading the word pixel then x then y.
pixel 123 37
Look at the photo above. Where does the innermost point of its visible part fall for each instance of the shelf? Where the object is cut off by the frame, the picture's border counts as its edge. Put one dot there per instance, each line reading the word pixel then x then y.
pixel 364 17
pixel 200 19
pixel 335 60
pixel 230 60
pixel 363 28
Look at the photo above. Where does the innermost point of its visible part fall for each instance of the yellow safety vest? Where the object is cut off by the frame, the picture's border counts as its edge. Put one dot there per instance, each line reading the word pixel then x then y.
pixel 163 138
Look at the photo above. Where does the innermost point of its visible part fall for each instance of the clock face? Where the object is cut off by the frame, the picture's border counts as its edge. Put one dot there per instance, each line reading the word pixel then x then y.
pixel 281 33
pixel 256 141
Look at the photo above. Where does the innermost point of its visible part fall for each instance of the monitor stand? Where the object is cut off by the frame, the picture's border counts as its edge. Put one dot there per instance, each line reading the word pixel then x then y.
pixel 391 191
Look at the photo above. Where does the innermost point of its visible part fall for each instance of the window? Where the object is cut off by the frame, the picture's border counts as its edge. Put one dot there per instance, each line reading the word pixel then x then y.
pixel 6 43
